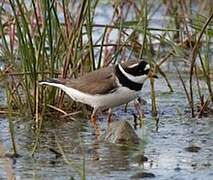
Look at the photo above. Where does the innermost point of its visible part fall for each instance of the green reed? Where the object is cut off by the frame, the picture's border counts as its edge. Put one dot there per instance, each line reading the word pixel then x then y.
pixel 205 69
pixel 79 168
pixel 46 46
pixel 11 126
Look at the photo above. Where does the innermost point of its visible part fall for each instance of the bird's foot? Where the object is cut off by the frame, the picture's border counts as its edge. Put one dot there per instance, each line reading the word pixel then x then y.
pixel 93 119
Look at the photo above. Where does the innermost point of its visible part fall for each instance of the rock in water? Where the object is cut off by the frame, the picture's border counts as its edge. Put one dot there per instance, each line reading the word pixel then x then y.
pixel 142 175
pixel 139 158
pixel 121 132
pixel 193 148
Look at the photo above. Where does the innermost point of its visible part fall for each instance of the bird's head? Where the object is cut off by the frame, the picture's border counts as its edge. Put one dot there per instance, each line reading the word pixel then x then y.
pixel 138 71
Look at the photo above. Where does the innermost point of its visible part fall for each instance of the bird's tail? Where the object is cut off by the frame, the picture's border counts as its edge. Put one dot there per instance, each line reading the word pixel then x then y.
pixel 61 85
pixel 53 82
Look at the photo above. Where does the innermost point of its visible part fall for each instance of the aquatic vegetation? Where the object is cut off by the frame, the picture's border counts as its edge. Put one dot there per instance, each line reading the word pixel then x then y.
pixel 43 39
pixel 46 39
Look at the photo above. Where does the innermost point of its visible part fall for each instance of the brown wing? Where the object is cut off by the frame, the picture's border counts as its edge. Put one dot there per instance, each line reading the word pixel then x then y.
pixel 97 82
pixel 100 81
pixel 97 75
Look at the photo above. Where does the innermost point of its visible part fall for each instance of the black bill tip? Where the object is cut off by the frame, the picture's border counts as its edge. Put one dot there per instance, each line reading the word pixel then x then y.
pixel 154 76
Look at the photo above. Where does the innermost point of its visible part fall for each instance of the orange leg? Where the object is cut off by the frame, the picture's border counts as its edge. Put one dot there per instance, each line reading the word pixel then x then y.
pixel 93 116
pixel 93 121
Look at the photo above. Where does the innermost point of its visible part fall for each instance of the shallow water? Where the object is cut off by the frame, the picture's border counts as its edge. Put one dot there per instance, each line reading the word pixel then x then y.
pixel 165 148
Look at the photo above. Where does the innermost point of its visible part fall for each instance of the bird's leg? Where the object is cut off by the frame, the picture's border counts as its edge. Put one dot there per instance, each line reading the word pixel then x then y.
pixel 93 121
pixel 140 112
pixel 93 116
pixel 125 108
pixel 109 117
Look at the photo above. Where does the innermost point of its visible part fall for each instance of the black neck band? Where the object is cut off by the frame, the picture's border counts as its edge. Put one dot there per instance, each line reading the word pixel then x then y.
pixel 124 81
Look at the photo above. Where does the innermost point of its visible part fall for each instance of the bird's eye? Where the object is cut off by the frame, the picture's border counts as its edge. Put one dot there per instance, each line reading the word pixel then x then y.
pixel 146 71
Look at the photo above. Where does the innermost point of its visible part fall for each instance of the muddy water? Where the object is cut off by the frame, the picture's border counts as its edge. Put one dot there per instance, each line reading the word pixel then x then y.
pixel 165 149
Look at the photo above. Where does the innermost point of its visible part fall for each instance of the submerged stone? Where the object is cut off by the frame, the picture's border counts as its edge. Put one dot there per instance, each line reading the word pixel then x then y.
pixel 139 158
pixel 177 169
pixel 143 175
pixel 192 148
pixel 121 132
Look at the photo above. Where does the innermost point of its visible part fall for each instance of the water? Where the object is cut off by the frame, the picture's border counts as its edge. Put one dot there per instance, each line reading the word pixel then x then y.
pixel 165 148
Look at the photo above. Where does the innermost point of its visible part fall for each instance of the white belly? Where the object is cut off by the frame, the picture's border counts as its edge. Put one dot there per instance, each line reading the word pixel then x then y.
pixel 121 96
